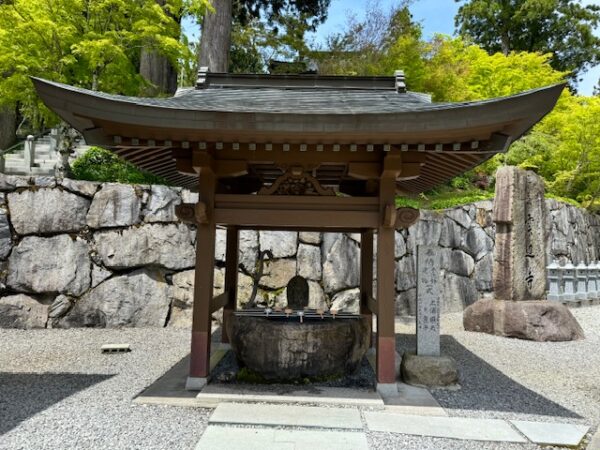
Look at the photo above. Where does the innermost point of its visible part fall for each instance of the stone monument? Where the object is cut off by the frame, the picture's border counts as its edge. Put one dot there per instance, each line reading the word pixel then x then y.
pixel 427 367
pixel 519 308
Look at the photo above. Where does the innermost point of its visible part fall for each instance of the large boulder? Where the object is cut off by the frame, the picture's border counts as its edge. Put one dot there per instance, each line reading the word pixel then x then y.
pixel 170 246
pixel 47 211
pixel 22 311
pixel 278 273
pixel 346 301
pixel 138 299
pixel 115 205
pixel 429 371
pixel 248 246
pixel 309 262
pixel 341 261
pixel 537 320
pixel 294 350
pixel 282 244
pixel 5 235
pixel 161 204
pixel 55 264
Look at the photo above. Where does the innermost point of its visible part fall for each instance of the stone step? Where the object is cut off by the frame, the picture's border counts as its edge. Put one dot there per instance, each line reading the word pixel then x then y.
pixel 234 438
pixel 561 434
pixel 280 415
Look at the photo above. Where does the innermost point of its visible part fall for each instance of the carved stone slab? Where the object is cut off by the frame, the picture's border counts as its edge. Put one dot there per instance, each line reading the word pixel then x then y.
pixel 428 301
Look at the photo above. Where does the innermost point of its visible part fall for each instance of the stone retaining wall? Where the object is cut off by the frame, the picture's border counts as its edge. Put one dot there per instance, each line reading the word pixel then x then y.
pixel 76 253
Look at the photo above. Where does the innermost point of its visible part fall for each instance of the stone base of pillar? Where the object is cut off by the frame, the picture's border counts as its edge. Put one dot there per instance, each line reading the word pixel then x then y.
pixel 195 383
pixel 534 320
pixel 429 371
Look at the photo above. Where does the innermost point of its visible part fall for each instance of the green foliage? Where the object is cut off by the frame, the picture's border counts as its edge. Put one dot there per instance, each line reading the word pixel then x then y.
pixel 445 198
pixel 98 164
pixel 91 44
pixel 562 28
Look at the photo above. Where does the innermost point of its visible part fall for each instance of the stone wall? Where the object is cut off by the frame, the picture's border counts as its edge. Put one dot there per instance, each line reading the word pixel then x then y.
pixel 78 253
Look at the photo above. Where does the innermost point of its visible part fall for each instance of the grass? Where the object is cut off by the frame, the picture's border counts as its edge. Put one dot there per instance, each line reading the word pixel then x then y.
pixel 444 200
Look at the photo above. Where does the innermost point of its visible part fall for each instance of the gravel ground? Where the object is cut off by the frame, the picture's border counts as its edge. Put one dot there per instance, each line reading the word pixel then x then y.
pixel 57 391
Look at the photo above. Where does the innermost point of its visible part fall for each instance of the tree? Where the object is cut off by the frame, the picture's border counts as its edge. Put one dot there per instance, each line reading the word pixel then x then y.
pixel 215 42
pixel 92 44
pixel 563 28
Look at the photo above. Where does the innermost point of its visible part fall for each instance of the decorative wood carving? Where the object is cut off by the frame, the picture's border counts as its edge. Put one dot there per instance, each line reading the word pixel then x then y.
pixel 295 181
pixel 200 213
pixel 192 213
pixel 389 217
pixel 405 217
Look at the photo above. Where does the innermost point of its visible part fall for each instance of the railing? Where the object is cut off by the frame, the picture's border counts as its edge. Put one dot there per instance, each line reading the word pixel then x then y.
pixel 28 146
pixel 574 284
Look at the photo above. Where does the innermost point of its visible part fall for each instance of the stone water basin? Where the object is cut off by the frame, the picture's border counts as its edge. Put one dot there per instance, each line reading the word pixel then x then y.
pixel 289 350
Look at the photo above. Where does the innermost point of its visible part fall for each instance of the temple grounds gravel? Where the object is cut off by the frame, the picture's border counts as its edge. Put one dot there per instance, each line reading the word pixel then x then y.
pixel 57 390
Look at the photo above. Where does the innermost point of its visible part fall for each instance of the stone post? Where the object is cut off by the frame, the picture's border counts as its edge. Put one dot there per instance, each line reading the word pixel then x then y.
pixel 554 293
pixel 581 275
pixel 519 308
pixel 29 152
pixel 569 280
pixel 593 281
pixel 428 301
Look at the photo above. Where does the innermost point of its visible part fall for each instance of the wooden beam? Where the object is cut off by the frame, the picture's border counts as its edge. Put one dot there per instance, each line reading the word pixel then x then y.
pixel 406 217
pixel 364 171
pixel 231 278
pixel 219 302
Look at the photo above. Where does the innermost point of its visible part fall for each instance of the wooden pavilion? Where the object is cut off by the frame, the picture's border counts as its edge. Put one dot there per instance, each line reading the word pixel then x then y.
pixel 298 152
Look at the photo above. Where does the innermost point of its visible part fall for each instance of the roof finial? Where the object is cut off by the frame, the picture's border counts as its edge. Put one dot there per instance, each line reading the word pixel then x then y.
pixel 400 81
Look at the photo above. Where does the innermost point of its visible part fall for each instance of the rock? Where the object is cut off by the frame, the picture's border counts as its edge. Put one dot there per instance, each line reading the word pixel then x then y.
pixel 297 293
pixel 399 246
pixel 424 232
pixel 188 196
pixel 341 261
pixel 5 235
pixel 85 188
pixel 22 311
pixel 460 216
pixel 309 237
pixel 99 274
pixel 458 293
pixel 44 182
pixel 12 182
pixel 483 274
pixel 461 263
pixel 451 235
pixel 309 262
pixel 244 290
pixel 406 302
pixel 406 277
pixel 429 371
pixel 170 246
pixel 138 299
pixel 477 243
pixel 56 211
pixel 248 250
pixel 115 205
pixel 55 264
pixel 161 204
pixel 277 273
pixel 220 245
pixel 346 301
pixel 282 244
pixel 315 348
pixel 537 320
pixel 484 218
pixel 316 296
pixel 60 306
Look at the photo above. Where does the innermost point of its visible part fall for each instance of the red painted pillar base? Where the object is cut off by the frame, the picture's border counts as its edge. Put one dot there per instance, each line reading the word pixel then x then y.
pixel 200 354
pixel 386 360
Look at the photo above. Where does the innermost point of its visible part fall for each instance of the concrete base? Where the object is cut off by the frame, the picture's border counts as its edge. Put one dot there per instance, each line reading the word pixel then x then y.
pixel 535 320
pixel 430 371
pixel 195 383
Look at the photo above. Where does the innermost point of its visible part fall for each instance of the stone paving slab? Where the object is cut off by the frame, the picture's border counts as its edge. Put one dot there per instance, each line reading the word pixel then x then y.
pixel 563 434
pixel 213 394
pixel 233 438
pixel 412 400
pixel 279 415
pixel 445 427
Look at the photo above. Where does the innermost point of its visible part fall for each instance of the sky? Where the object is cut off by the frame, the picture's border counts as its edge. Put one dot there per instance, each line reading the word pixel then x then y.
pixel 436 16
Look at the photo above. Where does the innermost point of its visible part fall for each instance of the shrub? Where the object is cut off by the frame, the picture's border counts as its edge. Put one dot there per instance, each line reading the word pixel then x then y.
pixel 98 164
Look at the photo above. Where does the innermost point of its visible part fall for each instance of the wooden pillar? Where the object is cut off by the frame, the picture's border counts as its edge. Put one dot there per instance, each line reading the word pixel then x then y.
pixel 231 277
pixel 203 283
pixel 386 341
pixel 366 275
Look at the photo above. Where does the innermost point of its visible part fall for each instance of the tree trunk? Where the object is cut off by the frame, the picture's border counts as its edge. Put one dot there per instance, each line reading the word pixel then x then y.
pixel 8 127
pixel 157 69
pixel 216 37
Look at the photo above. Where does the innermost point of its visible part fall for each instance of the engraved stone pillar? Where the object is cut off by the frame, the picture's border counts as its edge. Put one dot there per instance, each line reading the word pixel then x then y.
pixel 581 275
pixel 428 301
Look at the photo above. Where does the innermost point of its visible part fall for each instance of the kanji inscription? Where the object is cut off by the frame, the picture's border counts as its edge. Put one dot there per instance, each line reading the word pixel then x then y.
pixel 428 301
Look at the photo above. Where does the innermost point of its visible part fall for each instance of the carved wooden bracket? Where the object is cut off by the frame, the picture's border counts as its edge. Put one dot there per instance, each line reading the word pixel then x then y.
pixel 389 216
pixel 405 217
pixel 295 181
pixel 192 213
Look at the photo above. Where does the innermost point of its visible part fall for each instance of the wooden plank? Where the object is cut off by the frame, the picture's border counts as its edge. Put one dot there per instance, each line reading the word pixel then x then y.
pixel 295 203
pixel 231 277
pixel 219 302
pixel 295 218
